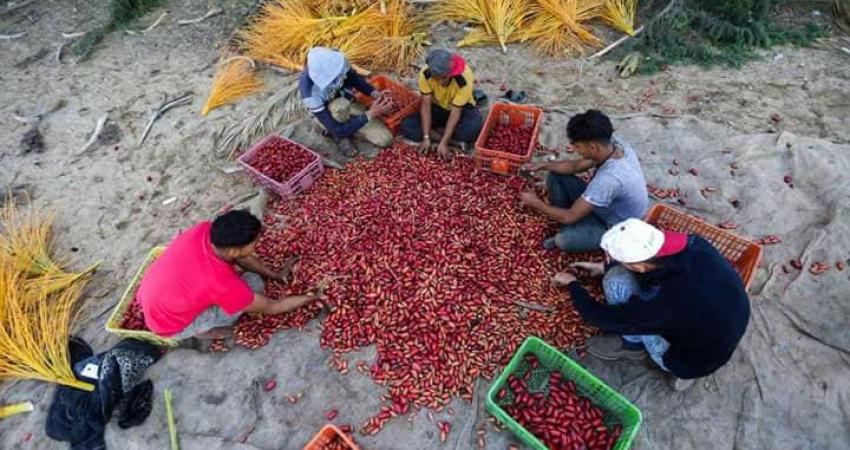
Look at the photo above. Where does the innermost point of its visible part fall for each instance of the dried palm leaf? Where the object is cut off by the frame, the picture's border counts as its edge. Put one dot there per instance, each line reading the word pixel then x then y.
pixel 25 244
pixel 620 14
pixel 556 26
pixel 380 36
pixel 34 330
pixel 471 11
pixel 236 78
pixel 284 105
pixel 493 20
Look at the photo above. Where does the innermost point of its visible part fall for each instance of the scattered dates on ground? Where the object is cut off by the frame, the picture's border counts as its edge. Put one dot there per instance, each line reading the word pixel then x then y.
pixel 563 419
pixel 662 193
pixel 769 240
pixel 510 139
pixel 280 159
pixel 424 260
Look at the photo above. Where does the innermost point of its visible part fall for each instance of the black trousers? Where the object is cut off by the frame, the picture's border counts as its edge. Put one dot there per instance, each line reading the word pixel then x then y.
pixel 467 128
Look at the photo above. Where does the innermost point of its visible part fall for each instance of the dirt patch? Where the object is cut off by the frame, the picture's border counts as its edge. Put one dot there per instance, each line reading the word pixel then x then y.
pixel 32 141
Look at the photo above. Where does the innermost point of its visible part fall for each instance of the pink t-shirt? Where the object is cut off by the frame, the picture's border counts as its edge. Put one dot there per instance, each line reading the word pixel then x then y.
pixel 187 279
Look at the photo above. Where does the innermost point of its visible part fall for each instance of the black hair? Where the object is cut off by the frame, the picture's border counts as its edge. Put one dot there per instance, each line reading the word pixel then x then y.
pixel 235 228
pixel 592 125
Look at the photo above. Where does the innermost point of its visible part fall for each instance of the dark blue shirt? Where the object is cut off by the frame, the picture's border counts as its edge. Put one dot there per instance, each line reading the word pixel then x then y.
pixel 318 106
pixel 701 308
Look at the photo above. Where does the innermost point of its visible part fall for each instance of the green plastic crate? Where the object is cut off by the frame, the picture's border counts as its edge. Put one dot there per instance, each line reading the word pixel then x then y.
pixel 618 410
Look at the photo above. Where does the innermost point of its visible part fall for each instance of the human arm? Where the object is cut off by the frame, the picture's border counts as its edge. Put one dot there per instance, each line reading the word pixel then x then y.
pixel 253 264
pixel 265 305
pixel 425 117
pixel 579 209
pixel 567 167
pixel 358 82
pixel 451 124
pixel 633 317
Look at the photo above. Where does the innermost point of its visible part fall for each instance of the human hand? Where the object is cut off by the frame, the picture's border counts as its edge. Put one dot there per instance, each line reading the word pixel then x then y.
pixel 379 107
pixel 595 269
pixel 532 166
pixel 285 274
pixel 443 150
pixel 563 279
pixel 529 198
pixel 376 94
pixel 425 145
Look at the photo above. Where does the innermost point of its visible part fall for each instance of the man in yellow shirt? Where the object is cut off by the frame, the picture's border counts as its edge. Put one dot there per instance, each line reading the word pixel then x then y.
pixel 446 85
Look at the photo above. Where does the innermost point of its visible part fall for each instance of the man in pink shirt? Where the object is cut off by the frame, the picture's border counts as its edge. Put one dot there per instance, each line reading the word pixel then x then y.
pixel 194 290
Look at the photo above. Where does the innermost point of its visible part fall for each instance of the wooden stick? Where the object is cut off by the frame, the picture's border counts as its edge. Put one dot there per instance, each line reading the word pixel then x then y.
pixel 9 37
pixel 182 100
pixel 172 426
pixel 210 13
pixel 58 56
pixel 156 22
pixel 641 28
pixel 17 408
pixel 97 129
pixel 614 44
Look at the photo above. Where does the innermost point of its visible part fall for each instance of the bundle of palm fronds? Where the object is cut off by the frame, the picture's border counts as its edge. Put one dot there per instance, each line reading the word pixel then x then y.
pixel 236 78
pixel 620 14
pixel 557 26
pixel 284 105
pixel 384 35
pixel 25 245
pixel 494 21
pixel 37 301
pixel 553 27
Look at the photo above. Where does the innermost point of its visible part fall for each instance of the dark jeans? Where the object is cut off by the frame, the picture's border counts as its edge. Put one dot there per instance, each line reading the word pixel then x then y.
pixel 583 235
pixel 467 128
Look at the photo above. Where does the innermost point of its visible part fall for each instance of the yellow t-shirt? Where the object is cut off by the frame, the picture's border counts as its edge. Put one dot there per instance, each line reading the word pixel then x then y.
pixel 457 93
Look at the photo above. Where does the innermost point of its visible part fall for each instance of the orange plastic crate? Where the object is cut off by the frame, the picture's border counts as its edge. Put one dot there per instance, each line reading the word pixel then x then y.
pixel 326 435
pixel 513 115
pixel 409 100
pixel 745 255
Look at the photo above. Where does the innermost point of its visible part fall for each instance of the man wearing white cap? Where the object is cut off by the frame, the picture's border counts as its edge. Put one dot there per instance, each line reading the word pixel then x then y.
pixel 671 295
pixel 323 85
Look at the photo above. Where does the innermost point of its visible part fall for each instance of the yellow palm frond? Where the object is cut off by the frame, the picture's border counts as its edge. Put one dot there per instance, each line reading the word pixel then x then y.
pixel 620 14
pixel 235 79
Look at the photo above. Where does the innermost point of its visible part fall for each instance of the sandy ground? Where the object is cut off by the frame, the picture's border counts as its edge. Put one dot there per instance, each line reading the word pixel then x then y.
pixel 110 198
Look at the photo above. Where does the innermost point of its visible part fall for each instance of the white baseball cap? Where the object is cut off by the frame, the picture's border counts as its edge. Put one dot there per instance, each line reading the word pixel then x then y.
pixel 632 240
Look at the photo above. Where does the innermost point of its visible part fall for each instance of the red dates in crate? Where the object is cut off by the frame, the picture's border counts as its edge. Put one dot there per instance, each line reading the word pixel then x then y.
pixel 510 139
pixel 281 160
pixel 563 419
pixel 336 444
pixel 134 318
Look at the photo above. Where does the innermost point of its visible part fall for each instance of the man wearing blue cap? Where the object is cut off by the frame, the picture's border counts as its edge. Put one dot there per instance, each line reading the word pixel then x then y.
pixel 323 84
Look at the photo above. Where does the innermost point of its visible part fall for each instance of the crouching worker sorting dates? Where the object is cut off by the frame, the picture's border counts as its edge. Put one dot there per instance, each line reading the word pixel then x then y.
pixel 194 289
pixel 670 296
